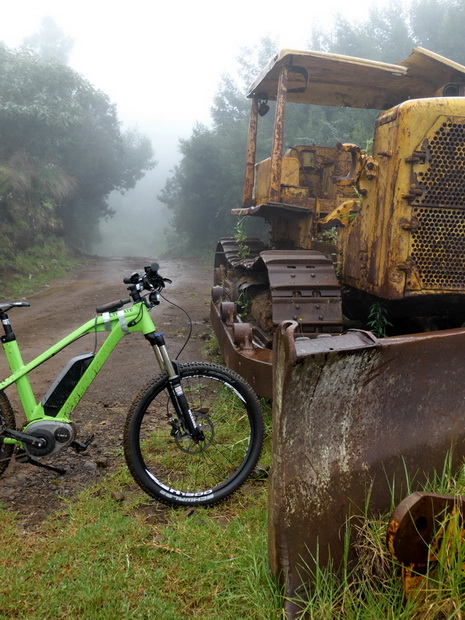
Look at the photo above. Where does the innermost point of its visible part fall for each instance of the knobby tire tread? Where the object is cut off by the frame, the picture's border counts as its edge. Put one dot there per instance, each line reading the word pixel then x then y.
pixel 148 394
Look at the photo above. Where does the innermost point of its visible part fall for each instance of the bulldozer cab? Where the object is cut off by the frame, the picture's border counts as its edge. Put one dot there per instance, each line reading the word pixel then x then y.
pixel 332 80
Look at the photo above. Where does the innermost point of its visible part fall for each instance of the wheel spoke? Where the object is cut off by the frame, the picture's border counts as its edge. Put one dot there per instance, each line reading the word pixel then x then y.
pixel 175 468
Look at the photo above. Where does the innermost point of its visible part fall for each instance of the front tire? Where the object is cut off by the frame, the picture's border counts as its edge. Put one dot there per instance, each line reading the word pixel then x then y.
pixel 164 460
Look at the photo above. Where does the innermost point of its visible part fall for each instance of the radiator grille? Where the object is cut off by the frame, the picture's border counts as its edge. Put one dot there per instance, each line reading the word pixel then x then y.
pixel 443 182
pixel 438 248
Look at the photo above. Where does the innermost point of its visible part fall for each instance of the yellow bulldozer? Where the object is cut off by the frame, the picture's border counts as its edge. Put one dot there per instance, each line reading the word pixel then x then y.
pixel 349 231
pixel 397 215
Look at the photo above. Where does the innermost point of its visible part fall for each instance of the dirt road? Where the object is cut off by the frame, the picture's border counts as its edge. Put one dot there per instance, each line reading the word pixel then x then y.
pixel 57 310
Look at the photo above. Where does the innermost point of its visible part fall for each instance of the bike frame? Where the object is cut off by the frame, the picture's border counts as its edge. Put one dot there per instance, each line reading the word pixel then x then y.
pixel 118 323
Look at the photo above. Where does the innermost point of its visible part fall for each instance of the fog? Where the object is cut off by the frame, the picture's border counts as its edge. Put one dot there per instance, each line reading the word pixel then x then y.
pixel 161 64
pixel 140 221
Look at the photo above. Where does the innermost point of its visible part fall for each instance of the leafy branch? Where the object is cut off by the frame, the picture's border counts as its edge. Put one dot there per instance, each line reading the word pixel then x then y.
pixel 377 320
pixel 240 237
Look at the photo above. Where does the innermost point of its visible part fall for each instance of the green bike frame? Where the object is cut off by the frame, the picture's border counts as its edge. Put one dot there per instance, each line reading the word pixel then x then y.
pixel 118 323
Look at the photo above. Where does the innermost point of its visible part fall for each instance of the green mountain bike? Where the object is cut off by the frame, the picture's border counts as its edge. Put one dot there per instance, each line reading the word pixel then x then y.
pixel 191 437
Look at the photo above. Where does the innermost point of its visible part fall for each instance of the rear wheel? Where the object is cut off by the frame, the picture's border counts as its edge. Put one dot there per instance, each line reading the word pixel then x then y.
pixel 168 464
pixel 7 419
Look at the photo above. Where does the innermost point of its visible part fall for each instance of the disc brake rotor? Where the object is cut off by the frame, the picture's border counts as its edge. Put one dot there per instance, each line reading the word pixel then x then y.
pixel 185 442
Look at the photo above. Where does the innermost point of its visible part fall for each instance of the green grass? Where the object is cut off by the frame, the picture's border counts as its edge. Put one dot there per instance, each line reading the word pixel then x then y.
pixel 371 588
pixel 103 558
pixel 29 270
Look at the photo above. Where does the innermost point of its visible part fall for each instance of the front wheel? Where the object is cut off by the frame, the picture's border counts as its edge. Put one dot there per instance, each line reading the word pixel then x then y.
pixel 163 458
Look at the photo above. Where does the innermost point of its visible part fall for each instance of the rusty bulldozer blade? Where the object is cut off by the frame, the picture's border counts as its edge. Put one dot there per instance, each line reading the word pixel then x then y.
pixel 353 420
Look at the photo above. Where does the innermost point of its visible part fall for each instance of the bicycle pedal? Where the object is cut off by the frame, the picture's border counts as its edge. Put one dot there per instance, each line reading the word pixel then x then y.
pixel 81 446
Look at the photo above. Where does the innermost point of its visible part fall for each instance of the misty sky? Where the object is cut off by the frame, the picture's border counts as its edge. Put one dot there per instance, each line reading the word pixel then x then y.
pixel 161 62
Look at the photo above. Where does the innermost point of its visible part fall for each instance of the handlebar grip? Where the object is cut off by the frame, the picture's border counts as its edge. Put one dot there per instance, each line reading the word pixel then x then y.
pixel 113 306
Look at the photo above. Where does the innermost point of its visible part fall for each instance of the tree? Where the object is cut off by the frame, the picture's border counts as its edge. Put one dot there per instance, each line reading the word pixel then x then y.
pixel 438 26
pixel 199 190
pixel 389 33
pixel 50 42
pixel 385 35
pixel 208 181
pixel 55 117
pixel 30 189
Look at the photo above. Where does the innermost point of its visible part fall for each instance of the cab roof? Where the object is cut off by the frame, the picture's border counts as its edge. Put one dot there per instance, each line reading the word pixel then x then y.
pixel 331 79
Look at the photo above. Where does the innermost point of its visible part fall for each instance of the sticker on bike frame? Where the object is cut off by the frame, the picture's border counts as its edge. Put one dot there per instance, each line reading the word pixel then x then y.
pixel 106 321
pixel 122 321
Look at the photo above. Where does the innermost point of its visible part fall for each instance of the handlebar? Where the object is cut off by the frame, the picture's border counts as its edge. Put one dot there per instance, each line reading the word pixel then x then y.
pixel 151 281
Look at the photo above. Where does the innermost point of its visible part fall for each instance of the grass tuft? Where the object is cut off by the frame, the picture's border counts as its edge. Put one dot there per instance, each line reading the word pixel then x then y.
pixel 26 271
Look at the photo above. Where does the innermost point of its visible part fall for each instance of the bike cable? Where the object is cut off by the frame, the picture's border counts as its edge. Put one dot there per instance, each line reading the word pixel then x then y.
pixel 188 318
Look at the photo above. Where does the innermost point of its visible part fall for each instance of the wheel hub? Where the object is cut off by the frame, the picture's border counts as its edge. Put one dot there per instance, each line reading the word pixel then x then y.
pixel 186 443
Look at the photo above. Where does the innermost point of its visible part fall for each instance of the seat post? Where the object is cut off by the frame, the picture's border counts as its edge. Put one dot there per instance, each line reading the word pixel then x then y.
pixel 9 333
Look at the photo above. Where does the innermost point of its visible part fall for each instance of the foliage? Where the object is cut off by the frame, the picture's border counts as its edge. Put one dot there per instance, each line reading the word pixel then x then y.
pixel 240 237
pixel 52 120
pixel 384 36
pixel 208 181
pixel 389 33
pixel 207 563
pixel 26 270
pixel 371 586
pixel 200 193
pixel 31 191
pixel 378 322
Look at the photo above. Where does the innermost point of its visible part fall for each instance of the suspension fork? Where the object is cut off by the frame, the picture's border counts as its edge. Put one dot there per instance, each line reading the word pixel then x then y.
pixel 178 398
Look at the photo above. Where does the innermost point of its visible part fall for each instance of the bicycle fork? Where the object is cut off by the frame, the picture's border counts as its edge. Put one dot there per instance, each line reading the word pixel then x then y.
pixel 178 398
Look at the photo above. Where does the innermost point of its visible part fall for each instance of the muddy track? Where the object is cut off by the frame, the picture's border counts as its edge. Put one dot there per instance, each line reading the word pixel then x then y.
pixel 61 307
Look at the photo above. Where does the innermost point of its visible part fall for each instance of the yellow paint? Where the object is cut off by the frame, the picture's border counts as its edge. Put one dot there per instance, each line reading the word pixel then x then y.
pixel 398 247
